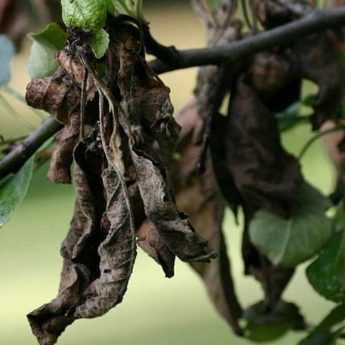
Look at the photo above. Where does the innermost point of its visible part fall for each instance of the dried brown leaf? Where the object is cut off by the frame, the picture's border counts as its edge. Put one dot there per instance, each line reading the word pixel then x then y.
pixel 151 241
pixel 317 58
pixel 263 172
pixel 198 196
pixel 62 158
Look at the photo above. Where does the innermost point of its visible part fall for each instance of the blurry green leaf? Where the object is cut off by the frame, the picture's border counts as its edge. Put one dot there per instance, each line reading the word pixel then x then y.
pixel 319 338
pixel 322 273
pixel 52 35
pixel 88 15
pixel 339 219
pixel 333 319
pixel 310 101
pixel 215 3
pixel 340 264
pixel 132 8
pixel 265 325
pixel 327 331
pixel 339 227
pixel 288 242
pixel 290 117
pixel 42 60
pixel 100 43
pixel 13 191
pixel 6 54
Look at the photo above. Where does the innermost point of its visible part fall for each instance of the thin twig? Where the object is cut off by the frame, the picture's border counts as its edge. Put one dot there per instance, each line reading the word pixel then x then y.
pixel 317 21
pixel 83 99
pixel 318 136
pixel 21 153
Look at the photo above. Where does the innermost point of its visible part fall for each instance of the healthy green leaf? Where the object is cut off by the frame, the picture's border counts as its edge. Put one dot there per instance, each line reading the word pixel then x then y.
pixel 13 191
pixel 88 15
pixel 322 273
pixel 6 54
pixel 42 60
pixel 288 242
pixel 100 43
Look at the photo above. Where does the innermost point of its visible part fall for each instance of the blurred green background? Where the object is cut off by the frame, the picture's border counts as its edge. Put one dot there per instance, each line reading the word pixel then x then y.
pixel 155 311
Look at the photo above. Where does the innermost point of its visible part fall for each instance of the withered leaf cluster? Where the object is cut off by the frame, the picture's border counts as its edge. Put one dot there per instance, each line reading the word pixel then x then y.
pixel 135 186
pixel 252 169
pixel 119 134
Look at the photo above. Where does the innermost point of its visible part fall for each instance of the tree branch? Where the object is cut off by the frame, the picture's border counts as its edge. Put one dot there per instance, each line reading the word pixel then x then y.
pixel 22 152
pixel 315 22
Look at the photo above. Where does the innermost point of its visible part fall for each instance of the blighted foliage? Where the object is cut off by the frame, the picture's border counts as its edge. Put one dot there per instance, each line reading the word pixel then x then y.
pixel 120 146
pixel 144 178
pixel 252 168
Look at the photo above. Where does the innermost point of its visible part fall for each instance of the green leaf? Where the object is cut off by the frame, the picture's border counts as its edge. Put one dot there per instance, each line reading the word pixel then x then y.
pixel 310 101
pixel 215 3
pixel 132 8
pixel 288 242
pixel 100 43
pixel 6 54
pixel 88 15
pixel 264 325
pixel 322 273
pixel 327 332
pixel 13 191
pixel 290 117
pixel 340 264
pixel 339 219
pixel 42 60
pixel 319 338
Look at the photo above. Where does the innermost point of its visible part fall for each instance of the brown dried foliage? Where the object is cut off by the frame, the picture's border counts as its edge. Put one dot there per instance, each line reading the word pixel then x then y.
pixel 120 152
pixel 133 184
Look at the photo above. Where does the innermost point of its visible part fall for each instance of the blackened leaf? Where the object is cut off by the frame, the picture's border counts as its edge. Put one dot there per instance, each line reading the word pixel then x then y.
pixel 265 175
pixel 223 176
pixel 151 241
pixel 13 191
pixel 6 54
pixel 323 272
pixel 288 242
pixel 42 60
